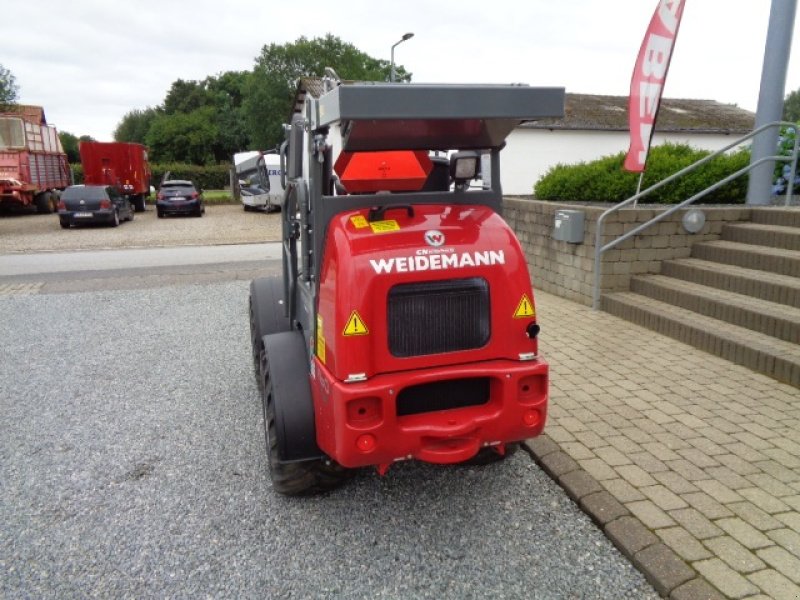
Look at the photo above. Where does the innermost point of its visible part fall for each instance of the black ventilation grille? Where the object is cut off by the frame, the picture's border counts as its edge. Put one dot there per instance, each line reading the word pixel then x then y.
pixel 438 316
pixel 443 395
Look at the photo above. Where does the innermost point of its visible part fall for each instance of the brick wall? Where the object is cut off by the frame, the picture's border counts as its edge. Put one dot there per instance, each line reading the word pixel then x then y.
pixel 567 269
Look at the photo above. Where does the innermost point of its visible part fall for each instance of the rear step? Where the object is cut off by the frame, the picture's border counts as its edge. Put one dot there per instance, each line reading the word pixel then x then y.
pixel 772 287
pixel 777 320
pixel 775 260
pixel 773 357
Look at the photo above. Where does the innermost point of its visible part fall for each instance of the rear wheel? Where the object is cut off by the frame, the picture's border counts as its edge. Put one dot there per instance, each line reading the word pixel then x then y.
pixel 139 202
pixel 115 221
pixel 64 224
pixel 295 478
pixel 44 203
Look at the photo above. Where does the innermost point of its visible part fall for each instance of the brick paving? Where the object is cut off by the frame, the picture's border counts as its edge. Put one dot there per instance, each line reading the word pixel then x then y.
pixel 690 463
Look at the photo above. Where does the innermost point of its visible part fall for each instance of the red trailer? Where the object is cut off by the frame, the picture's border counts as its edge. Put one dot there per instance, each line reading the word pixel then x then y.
pixel 121 164
pixel 33 165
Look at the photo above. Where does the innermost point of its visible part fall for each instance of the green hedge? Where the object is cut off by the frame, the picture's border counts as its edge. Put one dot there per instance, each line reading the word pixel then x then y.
pixel 213 177
pixel 604 180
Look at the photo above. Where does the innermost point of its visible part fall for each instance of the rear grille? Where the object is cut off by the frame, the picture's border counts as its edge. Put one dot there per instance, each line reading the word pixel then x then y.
pixel 438 316
pixel 443 395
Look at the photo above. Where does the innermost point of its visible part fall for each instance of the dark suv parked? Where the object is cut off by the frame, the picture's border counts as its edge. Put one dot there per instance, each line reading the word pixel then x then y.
pixel 83 204
pixel 179 197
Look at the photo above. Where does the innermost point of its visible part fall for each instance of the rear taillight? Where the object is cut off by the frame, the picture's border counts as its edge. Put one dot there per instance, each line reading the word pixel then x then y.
pixel 105 203
pixel 159 196
pixel 194 195
pixel 61 205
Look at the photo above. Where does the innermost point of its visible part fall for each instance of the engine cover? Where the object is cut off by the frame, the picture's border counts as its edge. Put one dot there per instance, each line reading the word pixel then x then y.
pixel 422 287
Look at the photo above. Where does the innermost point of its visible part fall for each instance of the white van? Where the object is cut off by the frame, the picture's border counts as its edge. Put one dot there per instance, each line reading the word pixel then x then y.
pixel 255 192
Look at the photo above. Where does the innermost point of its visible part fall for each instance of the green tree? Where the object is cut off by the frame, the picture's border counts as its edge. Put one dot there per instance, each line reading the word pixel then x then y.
pixel 270 90
pixel 71 145
pixel 183 137
pixel 135 124
pixel 791 107
pixel 9 91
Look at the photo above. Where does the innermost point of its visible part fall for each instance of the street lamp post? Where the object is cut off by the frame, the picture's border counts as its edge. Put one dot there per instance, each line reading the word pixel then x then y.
pixel 408 36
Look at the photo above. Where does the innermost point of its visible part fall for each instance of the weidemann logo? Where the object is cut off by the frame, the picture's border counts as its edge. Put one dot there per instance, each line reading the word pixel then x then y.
pixel 438 262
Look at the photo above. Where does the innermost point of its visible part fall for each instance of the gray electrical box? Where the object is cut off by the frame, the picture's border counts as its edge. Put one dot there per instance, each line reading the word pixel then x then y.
pixel 568 226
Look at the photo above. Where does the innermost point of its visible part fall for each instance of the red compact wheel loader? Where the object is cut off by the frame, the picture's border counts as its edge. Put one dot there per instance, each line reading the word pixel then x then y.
pixel 403 326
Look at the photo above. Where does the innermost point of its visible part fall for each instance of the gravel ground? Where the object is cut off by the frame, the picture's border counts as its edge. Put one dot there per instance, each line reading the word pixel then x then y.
pixel 132 465
pixel 222 224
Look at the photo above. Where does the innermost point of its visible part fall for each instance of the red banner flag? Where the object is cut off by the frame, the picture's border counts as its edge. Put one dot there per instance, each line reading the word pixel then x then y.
pixel 649 75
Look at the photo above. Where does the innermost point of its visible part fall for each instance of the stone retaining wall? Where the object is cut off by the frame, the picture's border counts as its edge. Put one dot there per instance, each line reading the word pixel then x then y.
pixel 567 269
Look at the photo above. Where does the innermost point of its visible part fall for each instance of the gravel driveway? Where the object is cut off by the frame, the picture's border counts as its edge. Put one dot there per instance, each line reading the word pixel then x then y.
pixel 222 224
pixel 132 465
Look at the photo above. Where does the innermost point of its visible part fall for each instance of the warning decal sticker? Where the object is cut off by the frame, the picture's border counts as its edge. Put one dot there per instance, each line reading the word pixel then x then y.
pixel 524 308
pixel 355 325
pixel 384 226
pixel 359 221
pixel 320 340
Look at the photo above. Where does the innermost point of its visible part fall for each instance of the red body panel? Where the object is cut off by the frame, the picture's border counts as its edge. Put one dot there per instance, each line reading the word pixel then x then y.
pixel 116 163
pixel 34 161
pixel 363 261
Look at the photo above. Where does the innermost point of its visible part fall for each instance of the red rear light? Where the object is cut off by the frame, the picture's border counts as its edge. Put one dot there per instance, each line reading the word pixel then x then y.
pixel 194 195
pixel 159 196
pixel 105 203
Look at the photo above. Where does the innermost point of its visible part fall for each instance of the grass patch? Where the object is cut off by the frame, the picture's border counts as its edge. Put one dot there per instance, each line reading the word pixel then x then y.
pixel 218 197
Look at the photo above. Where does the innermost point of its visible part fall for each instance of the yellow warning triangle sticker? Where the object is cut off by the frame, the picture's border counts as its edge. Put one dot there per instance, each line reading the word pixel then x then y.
pixel 524 308
pixel 355 325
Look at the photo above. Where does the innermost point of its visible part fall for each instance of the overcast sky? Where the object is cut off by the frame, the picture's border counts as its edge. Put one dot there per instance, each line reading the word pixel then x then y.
pixel 88 62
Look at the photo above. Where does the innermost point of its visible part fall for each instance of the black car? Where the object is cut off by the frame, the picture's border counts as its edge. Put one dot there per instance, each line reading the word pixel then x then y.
pixel 84 204
pixel 179 197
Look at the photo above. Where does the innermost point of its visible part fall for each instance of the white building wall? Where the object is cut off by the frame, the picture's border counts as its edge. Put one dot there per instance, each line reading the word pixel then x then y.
pixel 529 153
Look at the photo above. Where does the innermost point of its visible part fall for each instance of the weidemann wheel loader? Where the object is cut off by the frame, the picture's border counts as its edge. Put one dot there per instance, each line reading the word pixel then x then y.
pixel 404 324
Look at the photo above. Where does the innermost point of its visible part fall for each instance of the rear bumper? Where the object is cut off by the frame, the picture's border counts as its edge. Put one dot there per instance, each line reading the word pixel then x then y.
pixel 358 423
pixel 105 215
pixel 177 208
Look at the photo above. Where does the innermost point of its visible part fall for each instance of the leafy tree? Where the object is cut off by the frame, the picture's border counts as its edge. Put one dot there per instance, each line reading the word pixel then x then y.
pixel 9 91
pixel 270 90
pixel 135 124
pixel 71 145
pixel 791 107
pixel 183 137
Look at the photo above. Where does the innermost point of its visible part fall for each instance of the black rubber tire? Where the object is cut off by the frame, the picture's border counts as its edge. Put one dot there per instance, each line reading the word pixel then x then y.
pixel 139 202
pixel 64 224
pixel 115 220
pixel 160 213
pixel 44 203
pixel 296 478
pixel 488 456
pixel 131 213
pixel 266 317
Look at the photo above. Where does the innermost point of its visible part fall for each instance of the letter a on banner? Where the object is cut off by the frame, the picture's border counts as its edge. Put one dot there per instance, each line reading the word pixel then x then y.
pixel 647 83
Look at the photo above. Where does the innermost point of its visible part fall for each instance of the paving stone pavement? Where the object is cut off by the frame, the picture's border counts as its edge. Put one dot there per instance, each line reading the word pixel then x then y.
pixel 690 463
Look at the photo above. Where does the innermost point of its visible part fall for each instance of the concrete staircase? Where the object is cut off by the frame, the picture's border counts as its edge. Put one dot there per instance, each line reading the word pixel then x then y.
pixel 737 297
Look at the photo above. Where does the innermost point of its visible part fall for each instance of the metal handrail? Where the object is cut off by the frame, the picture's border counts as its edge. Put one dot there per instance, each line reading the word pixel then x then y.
pixel 599 250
